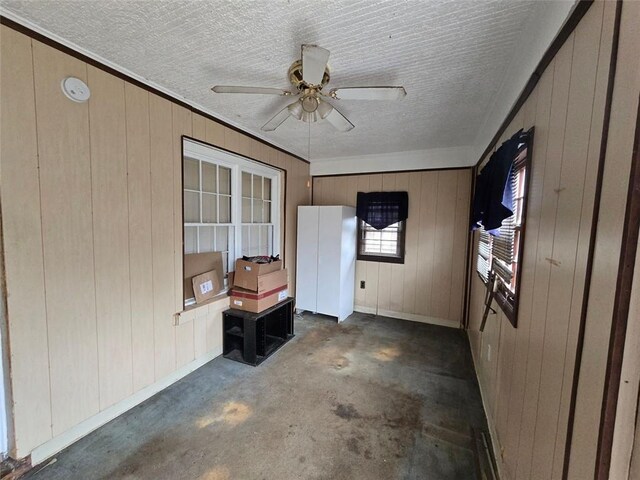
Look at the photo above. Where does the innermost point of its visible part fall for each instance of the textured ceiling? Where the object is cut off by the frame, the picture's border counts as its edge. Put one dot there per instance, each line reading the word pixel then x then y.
pixel 451 56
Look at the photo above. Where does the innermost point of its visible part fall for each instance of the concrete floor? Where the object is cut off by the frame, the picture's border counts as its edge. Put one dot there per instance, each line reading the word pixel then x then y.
pixel 371 398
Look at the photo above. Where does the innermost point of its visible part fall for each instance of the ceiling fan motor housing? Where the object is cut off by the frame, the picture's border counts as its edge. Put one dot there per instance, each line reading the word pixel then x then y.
pixel 295 77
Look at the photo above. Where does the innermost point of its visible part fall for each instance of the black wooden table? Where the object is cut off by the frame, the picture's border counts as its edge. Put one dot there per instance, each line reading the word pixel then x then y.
pixel 251 337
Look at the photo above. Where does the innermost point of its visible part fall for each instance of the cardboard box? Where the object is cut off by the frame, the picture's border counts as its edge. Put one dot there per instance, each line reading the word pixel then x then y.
pixel 197 264
pixel 249 301
pixel 206 286
pixel 273 280
pixel 247 273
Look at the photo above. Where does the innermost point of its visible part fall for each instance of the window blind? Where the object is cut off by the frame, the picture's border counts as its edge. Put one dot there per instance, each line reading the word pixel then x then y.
pixel 504 256
pixel 484 255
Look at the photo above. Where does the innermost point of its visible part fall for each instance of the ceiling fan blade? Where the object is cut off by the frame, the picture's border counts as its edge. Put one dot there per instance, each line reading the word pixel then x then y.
pixel 314 61
pixel 368 93
pixel 277 119
pixel 339 121
pixel 250 90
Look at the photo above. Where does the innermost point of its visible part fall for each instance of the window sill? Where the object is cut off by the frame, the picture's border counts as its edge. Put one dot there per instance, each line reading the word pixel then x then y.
pixel 372 258
pixel 199 309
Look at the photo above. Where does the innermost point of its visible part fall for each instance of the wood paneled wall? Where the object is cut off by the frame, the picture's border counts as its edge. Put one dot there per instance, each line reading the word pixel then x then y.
pixel 429 286
pixel 92 222
pixel 526 374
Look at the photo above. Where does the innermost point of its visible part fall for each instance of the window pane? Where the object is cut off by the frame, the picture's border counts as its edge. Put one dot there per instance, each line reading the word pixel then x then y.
pixel 206 239
pixel 190 240
pixel 257 186
pixel 222 239
pixel 209 208
pixel 224 182
pixel 265 240
pixel 257 211
pixel 246 184
pixel 191 174
pixel 266 212
pixel 208 177
pixel 267 188
pixel 246 210
pixel 254 241
pixel 191 207
pixel 225 209
pixel 245 240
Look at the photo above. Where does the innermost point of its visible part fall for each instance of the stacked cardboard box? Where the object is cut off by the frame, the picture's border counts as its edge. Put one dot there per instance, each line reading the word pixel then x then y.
pixel 258 286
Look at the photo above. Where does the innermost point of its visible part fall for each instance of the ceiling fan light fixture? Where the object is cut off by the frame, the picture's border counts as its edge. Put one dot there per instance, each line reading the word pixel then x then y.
pixel 310 103
pixel 324 109
pixel 296 111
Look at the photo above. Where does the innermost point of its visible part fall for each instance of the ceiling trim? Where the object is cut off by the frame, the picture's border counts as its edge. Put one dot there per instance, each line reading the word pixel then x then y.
pixel 429 159
pixel 16 22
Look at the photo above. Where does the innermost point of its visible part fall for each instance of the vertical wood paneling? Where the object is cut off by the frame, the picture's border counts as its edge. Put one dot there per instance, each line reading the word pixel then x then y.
pixel 567 228
pixel 426 242
pixel 185 335
pixel 461 229
pixel 92 231
pixel 588 200
pixel 384 276
pixel 162 227
pixel 536 114
pixel 111 235
pixel 528 393
pixel 444 227
pixel 397 287
pixel 64 152
pixel 606 258
pixel 410 270
pixel 22 237
pixel 215 133
pixel 140 254
pixel 411 289
pixel 559 101
pixel 199 127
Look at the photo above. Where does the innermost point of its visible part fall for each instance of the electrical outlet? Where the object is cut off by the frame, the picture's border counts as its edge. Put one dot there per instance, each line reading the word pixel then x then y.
pixel 361 283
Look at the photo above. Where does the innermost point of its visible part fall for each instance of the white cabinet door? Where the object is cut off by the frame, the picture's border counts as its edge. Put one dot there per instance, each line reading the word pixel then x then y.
pixel 329 257
pixel 307 259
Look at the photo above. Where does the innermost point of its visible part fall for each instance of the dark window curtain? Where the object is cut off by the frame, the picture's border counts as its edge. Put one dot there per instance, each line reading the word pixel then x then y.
pixel 381 209
pixel 493 198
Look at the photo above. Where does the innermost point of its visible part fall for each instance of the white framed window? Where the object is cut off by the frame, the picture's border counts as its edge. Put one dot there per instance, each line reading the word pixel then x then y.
pixel 230 204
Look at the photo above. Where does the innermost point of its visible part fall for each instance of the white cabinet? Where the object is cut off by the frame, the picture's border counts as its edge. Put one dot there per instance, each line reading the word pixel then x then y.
pixel 326 266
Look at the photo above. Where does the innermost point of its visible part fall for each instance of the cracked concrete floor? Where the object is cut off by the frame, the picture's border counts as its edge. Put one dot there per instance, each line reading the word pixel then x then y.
pixel 371 398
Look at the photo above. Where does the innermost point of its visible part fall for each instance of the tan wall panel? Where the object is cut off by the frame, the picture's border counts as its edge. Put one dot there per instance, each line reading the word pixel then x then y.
pixel 621 133
pixel 65 186
pixel 426 243
pixel 110 235
pixel 22 237
pixel 185 335
pixel 140 255
pixel 440 214
pixel 528 391
pixel 162 228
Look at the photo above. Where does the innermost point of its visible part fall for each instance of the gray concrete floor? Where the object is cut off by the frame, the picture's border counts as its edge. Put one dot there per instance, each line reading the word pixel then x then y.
pixel 371 398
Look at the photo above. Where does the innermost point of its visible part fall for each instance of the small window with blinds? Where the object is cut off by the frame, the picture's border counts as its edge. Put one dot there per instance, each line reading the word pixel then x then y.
pixel 385 245
pixel 500 255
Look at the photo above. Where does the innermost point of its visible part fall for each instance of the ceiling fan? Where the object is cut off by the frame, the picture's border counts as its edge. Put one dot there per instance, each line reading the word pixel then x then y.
pixel 309 76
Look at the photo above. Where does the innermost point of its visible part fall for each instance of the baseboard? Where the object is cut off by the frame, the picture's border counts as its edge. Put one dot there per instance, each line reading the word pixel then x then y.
pixel 493 435
pixel 56 444
pixel 361 309
pixel 443 322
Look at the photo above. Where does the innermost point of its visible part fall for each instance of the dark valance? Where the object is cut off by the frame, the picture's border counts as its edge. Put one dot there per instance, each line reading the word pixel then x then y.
pixel 381 209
